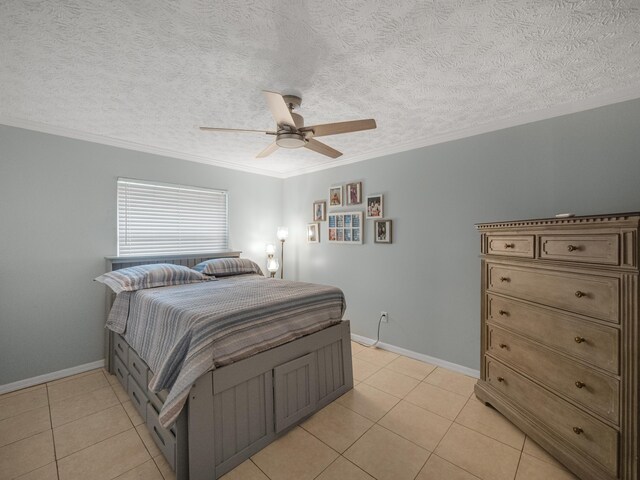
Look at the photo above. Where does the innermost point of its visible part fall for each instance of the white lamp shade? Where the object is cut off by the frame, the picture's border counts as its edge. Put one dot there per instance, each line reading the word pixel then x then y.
pixel 283 233
pixel 271 249
pixel 272 265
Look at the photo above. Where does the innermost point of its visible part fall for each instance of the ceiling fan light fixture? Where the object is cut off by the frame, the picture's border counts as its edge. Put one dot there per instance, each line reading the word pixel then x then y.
pixel 290 140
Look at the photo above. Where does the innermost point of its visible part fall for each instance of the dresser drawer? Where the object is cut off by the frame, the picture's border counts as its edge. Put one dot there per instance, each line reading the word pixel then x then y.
pixel 595 296
pixel 137 368
pixel 138 398
pixel 513 246
pixel 121 348
pixel 596 391
pixel 164 439
pixel 595 439
pixel 587 341
pixel 603 249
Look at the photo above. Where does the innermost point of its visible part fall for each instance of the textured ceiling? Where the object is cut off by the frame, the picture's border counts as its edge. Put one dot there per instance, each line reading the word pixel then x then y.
pixel 149 72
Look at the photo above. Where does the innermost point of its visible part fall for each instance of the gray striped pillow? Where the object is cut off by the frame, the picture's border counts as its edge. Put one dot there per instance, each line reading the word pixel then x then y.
pixel 224 267
pixel 149 276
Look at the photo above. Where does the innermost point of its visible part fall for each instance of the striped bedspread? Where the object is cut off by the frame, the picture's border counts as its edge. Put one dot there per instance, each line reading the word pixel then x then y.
pixel 183 331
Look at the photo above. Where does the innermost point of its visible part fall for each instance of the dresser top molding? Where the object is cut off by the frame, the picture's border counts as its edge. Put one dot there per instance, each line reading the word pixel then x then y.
pixel 631 219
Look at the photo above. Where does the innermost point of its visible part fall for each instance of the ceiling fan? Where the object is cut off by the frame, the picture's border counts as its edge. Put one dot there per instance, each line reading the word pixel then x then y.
pixel 291 131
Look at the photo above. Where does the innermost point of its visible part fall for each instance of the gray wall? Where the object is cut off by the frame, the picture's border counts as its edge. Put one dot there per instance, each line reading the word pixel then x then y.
pixel 429 278
pixel 58 218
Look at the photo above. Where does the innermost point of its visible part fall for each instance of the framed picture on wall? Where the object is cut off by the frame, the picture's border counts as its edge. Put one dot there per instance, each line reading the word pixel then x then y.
pixel 375 206
pixel 382 231
pixel 335 196
pixel 345 227
pixel 319 211
pixel 353 193
pixel 313 233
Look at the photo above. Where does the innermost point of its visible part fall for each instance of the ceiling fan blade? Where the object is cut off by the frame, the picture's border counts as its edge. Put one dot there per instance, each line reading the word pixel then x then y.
pixel 214 129
pixel 268 151
pixel 340 127
pixel 322 148
pixel 279 108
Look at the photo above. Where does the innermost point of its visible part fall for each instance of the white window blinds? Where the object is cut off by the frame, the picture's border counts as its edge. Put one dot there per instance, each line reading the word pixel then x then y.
pixel 155 218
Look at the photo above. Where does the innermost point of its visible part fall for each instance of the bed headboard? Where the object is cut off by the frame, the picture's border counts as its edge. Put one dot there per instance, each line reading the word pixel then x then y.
pixel 187 259
pixel 116 263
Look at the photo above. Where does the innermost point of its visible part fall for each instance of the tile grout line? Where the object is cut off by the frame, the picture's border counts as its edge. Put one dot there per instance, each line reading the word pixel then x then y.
pixel 53 437
pixel 445 434
pixel 99 441
pixel 351 444
pixel 518 466
pixel 255 464
pixel 325 468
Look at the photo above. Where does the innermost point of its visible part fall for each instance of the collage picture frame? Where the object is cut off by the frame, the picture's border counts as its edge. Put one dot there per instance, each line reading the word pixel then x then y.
pixel 345 227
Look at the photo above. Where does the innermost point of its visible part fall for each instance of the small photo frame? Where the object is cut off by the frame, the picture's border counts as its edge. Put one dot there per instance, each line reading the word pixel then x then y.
pixel 319 211
pixel 313 233
pixel 353 193
pixel 382 231
pixel 335 196
pixel 375 206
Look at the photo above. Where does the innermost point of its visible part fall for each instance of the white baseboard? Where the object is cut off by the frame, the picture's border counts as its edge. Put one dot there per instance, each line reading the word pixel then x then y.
pixel 418 356
pixel 49 377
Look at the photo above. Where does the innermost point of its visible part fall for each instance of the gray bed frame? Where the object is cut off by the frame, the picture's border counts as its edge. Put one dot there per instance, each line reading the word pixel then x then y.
pixel 234 411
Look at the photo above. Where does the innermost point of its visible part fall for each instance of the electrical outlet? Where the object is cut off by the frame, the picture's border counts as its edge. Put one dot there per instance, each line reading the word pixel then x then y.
pixel 384 316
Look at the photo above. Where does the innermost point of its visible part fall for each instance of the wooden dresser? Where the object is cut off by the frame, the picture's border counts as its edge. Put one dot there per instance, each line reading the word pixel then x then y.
pixel 560 337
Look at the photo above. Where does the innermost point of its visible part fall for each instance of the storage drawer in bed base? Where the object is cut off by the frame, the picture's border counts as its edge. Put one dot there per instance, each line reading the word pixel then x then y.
pixel 164 439
pixel 121 372
pixel 138 397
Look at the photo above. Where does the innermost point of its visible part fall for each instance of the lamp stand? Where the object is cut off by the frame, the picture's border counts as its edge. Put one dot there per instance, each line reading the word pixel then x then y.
pixel 282 259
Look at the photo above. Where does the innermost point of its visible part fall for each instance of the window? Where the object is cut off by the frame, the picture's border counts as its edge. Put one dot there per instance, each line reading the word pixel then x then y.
pixel 158 218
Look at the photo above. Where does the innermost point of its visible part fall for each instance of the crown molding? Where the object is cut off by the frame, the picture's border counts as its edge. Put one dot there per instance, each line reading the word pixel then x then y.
pixel 529 117
pixel 128 145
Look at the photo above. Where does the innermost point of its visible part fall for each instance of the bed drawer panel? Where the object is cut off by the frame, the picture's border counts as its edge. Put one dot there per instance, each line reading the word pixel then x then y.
pixel 137 368
pixel 587 341
pixel 164 439
pixel 138 398
pixel 121 348
pixel 595 296
pixel 592 437
pixel 594 390
pixel 243 415
pixel 295 390
pixel 601 249
pixel 330 369
pixel 120 372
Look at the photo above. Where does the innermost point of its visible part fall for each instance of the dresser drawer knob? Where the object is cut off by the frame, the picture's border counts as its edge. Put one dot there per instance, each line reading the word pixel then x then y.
pixel 580 384
pixel 503 345
pixel 573 248
pixel 577 430
pixel 580 339
pixel 504 313
pixel 505 279
pixel 500 379
pixel 509 245
pixel 580 294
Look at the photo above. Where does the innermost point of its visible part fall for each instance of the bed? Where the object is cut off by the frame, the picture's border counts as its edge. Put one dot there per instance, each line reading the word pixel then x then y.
pixel 232 411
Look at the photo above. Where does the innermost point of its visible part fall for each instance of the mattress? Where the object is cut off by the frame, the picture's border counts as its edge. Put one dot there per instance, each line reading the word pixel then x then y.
pixel 183 331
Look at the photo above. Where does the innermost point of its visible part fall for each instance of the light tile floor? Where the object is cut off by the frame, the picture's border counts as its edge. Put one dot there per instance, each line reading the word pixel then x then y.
pixel 404 419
